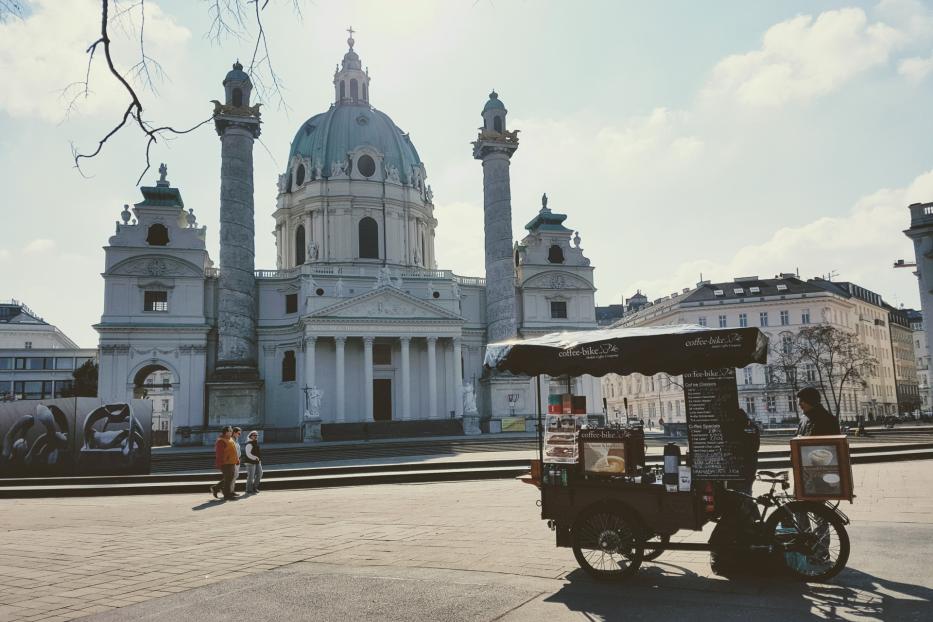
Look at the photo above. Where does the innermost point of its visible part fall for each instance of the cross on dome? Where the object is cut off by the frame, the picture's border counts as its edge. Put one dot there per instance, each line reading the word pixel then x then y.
pixel 350 40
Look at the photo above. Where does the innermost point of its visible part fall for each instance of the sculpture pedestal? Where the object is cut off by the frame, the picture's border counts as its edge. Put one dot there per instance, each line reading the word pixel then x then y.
pixel 311 430
pixel 471 424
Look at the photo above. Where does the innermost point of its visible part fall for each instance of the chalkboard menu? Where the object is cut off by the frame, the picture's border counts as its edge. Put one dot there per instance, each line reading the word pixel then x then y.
pixel 715 429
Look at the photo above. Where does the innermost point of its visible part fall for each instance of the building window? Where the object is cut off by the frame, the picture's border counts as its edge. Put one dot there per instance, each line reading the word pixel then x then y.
pixel 299 245
pixel 790 403
pixel 750 405
pixel 6 362
pixel 382 354
pixel 64 363
pixel 237 98
pixel 763 318
pixel 810 371
pixel 62 387
pixel 155 301
pixel 743 320
pixel 555 254
pixel 291 303
pixel 288 366
pixel 785 318
pixel 771 404
pixel 354 89
pixel 29 345
pixel 366 166
pixel 559 309
pixel 805 316
pixel 369 238
pixel 497 123
pixel 157 235
pixel 747 375
pixel 723 322
pixel 702 321
pixel 300 175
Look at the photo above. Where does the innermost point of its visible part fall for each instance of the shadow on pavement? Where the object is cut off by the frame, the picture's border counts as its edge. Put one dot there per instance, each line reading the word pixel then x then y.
pixel 208 504
pixel 667 591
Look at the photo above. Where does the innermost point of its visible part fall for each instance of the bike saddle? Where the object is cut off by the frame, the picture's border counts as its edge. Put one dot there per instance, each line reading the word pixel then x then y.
pixel 774 474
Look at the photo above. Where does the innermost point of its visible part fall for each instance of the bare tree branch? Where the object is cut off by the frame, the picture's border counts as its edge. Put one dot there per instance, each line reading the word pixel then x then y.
pixel 11 9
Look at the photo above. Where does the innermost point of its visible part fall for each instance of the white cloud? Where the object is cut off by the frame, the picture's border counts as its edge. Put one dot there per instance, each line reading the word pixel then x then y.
pixel 43 54
pixel 860 245
pixel 39 245
pixel 805 57
pixel 916 69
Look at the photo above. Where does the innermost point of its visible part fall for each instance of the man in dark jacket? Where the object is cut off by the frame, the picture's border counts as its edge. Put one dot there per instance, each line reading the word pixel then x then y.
pixel 816 420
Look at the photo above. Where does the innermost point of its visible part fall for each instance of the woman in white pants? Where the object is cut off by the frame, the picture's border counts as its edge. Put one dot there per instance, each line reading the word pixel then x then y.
pixel 252 457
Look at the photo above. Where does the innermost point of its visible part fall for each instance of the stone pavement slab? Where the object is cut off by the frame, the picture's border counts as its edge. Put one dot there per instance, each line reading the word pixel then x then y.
pixel 459 551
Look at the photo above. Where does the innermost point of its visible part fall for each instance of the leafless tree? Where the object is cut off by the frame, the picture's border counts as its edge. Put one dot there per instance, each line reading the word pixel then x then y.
pixel 838 358
pixel 785 358
pixel 229 18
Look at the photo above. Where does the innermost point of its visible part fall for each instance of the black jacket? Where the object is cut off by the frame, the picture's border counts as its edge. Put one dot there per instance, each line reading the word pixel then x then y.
pixel 818 422
pixel 252 447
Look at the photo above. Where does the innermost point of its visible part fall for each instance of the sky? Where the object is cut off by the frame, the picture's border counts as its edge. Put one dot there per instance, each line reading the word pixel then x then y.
pixel 681 138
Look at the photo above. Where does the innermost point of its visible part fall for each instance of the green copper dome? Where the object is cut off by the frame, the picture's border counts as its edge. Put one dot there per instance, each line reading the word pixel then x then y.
pixel 326 138
pixel 494 103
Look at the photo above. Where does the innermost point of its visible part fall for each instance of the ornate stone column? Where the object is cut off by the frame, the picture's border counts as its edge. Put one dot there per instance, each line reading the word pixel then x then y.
pixel 406 377
pixel 458 378
pixel 368 378
pixel 432 377
pixel 340 342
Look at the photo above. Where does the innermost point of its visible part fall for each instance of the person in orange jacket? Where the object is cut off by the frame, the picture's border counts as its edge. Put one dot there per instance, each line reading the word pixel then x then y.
pixel 226 460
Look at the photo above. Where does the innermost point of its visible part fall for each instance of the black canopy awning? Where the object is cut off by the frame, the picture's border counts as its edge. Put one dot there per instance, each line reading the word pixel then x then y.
pixel 646 350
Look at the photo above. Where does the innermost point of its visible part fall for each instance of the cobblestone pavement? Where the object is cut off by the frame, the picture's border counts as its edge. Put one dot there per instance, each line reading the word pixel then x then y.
pixel 452 551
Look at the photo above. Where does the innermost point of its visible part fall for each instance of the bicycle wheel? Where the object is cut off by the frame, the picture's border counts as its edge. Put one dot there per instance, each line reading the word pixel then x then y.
pixel 814 539
pixel 607 542
pixel 652 554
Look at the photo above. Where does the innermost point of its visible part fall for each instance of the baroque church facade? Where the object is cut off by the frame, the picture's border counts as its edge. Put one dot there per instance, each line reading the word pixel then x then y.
pixel 357 324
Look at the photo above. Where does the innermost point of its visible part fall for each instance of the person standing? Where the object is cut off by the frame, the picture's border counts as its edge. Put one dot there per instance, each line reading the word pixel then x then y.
pixel 816 420
pixel 226 461
pixel 252 456
pixel 750 444
pixel 237 431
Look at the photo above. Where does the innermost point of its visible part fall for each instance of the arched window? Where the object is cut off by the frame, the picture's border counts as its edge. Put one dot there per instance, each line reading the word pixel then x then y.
pixel 299 245
pixel 237 97
pixel 365 92
pixel 288 366
pixel 497 123
pixel 157 235
pixel 300 175
pixel 354 89
pixel 369 239
pixel 555 254
pixel 343 89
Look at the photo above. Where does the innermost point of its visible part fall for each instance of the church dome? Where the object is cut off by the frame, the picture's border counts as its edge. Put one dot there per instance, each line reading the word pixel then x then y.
pixel 494 103
pixel 327 138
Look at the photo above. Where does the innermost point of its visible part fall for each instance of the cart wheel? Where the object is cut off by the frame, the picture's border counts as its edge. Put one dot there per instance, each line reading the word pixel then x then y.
pixel 607 542
pixel 814 539
pixel 652 554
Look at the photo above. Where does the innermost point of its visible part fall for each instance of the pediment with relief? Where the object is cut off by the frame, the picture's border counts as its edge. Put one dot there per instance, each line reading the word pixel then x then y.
pixel 155 266
pixel 557 280
pixel 386 302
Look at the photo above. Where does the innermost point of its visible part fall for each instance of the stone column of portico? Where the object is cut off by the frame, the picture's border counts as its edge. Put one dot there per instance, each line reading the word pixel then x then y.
pixel 339 343
pixel 310 380
pixel 406 377
pixel 458 378
pixel 432 377
pixel 368 378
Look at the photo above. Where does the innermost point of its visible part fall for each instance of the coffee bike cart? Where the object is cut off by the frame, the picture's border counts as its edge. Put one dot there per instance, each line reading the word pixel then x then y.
pixel 614 520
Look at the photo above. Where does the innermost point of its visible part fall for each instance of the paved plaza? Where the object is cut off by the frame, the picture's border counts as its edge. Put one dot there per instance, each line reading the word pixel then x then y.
pixel 445 551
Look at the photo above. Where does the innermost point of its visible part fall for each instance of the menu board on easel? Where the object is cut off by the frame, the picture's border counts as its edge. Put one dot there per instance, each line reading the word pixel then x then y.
pixel 715 429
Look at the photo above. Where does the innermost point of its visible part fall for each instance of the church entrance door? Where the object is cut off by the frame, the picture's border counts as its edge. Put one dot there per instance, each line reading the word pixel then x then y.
pixel 156 383
pixel 382 399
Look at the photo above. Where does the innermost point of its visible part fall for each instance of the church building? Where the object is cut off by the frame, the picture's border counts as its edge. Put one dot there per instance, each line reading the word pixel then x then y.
pixel 356 331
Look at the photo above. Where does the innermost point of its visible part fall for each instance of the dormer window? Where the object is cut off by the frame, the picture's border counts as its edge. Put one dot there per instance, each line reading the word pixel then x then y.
pixel 781 287
pixel 754 290
pixel 366 166
pixel 555 254
pixel 738 290
pixel 157 235
pixel 718 292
